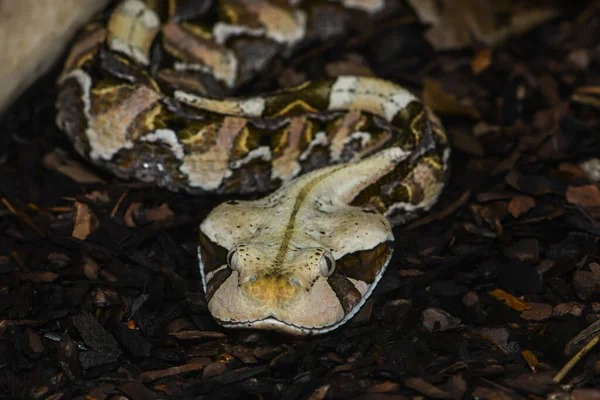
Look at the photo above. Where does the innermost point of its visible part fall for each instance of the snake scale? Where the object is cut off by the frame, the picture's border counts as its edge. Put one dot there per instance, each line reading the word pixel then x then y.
pixel 147 96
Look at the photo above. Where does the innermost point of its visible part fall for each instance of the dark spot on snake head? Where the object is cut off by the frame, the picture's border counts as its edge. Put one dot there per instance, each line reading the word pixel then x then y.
pixel 233 202
pixel 368 211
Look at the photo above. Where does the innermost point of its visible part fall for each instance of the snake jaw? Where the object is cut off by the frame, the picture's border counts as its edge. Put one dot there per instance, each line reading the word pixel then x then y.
pixel 312 312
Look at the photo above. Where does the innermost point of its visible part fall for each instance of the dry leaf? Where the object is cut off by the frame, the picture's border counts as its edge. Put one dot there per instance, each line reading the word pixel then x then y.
pixel 466 143
pixel 132 214
pixel 572 307
pixel 587 196
pixel 460 23
pixel 481 61
pixel 91 269
pixel 351 65
pixel 74 170
pixel 520 205
pixel 37 276
pixel 538 312
pixel 531 359
pixel 85 221
pixel 446 103
pixel 588 95
pixel 436 319
pixel 584 284
pixel 162 214
pixel 137 213
pixel 509 300
pixel 98 197
pixel 571 171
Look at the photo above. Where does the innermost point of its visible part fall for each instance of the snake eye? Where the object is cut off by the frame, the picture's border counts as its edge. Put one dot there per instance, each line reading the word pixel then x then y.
pixel 327 264
pixel 232 259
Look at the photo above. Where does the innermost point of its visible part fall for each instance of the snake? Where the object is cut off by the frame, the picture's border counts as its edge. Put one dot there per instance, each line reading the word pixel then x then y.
pixel 148 94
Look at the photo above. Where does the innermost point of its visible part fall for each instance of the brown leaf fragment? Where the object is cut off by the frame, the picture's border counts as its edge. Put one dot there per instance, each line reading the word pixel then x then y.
pixel 457 24
pixel 570 171
pixel 479 230
pixel 524 250
pixel 198 335
pixel 520 205
pixel 530 184
pixel 595 269
pixel 132 214
pixel 445 103
pixel 320 392
pixel 435 319
pixel 530 359
pixel 484 197
pixel 457 387
pixel 580 394
pixel 509 300
pixel 534 383
pixel 91 269
pixel 60 162
pixel 426 388
pixel 99 392
pixel 37 276
pixel 465 142
pixel 538 312
pixel 34 341
pixel 572 307
pixel 352 65
pixel 507 163
pixel 85 221
pixel 137 214
pixel 455 205
pixel 384 387
pixel 291 77
pixel 587 196
pixel 497 393
pixel 68 357
pixel 197 365
pixel 481 61
pixel 549 88
pixel 267 352
pixel 498 336
pixel 584 284
pixel 245 354
pixel 363 316
pixel 137 391
pixel 588 95
pixel 214 369
pixel 98 197
pixel 162 214
pixel 180 324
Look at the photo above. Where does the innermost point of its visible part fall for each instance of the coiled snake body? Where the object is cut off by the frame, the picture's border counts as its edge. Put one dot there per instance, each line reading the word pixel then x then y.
pixel 344 159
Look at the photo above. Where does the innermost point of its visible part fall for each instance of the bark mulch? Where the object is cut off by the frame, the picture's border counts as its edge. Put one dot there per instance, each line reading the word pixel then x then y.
pixel 494 294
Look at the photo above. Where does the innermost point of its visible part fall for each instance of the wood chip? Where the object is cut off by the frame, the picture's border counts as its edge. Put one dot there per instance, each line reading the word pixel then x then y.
pixel 510 300
pixel 520 205
pixel 538 312
pixel 85 221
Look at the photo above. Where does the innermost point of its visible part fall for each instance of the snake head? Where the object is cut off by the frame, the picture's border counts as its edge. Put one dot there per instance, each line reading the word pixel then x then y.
pixel 261 274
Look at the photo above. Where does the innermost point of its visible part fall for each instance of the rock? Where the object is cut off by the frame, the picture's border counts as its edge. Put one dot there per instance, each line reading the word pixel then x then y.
pixel 34 35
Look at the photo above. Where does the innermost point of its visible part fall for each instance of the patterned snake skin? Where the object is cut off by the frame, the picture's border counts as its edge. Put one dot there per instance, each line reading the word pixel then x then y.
pixel 145 96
